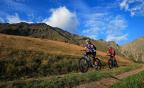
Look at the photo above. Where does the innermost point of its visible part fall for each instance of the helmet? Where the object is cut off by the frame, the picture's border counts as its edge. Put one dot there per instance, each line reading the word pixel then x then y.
pixel 88 41
pixel 109 45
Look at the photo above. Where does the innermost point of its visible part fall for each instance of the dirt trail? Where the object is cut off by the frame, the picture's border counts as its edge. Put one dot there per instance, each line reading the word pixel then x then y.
pixel 106 82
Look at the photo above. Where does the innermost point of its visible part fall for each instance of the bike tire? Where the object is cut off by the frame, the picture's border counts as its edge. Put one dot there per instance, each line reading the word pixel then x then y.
pixel 110 63
pixel 97 64
pixel 115 63
pixel 83 65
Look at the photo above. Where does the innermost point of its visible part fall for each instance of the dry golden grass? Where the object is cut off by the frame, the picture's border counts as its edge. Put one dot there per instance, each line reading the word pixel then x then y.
pixel 47 46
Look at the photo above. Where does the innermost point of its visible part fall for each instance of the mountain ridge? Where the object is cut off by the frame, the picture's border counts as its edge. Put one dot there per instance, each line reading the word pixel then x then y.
pixel 44 31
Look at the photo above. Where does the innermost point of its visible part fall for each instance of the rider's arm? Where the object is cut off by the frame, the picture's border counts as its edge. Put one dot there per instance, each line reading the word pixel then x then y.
pixel 85 49
pixel 108 53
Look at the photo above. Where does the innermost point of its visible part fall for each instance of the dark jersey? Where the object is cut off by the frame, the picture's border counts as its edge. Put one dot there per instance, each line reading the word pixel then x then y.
pixel 90 47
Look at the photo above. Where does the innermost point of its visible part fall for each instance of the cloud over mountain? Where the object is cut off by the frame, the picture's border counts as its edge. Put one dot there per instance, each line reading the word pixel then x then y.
pixel 62 18
pixel 110 27
pixel 15 19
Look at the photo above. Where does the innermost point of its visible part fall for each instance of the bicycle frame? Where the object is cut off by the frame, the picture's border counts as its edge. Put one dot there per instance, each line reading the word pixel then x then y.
pixel 88 60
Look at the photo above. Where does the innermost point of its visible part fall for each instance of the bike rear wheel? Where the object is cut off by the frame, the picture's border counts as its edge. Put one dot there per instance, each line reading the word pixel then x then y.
pixel 97 64
pixel 83 65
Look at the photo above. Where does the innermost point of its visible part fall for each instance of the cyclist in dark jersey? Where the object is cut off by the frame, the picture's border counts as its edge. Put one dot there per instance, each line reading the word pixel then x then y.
pixel 90 49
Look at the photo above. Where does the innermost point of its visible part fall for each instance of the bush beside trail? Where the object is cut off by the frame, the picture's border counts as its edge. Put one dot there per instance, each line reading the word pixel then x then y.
pixel 68 80
pixel 20 64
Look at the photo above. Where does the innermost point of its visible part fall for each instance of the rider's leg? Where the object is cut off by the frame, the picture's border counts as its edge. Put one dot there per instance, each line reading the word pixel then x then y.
pixel 94 57
pixel 115 61
pixel 88 53
pixel 111 60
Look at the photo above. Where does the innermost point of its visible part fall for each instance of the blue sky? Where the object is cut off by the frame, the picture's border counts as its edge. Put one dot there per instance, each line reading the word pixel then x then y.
pixel 112 20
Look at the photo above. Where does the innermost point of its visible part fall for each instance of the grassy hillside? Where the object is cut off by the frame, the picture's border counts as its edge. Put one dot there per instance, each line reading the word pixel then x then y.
pixel 44 45
pixel 45 31
pixel 135 50
pixel 68 80
pixel 24 57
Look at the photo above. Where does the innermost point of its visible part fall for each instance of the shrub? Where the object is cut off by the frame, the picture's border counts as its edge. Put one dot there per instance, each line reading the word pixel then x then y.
pixel 20 64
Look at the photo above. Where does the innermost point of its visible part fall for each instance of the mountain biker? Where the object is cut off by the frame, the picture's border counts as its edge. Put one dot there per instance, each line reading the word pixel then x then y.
pixel 90 49
pixel 112 53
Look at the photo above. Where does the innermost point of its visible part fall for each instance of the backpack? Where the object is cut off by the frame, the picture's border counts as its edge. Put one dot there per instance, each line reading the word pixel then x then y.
pixel 94 47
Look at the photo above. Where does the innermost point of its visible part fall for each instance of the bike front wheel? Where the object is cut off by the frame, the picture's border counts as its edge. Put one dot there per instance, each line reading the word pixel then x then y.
pixel 83 65
pixel 110 63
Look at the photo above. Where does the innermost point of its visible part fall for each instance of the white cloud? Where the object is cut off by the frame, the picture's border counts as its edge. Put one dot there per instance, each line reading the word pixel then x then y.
pixel 105 25
pixel 62 18
pixel 135 7
pixel 100 23
pixel 94 25
pixel 117 38
pixel 124 4
pixel 15 19
pixel 18 6
pixel 115 29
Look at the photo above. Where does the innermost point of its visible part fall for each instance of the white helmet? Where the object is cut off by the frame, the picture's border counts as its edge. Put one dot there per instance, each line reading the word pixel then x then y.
pixel 88 41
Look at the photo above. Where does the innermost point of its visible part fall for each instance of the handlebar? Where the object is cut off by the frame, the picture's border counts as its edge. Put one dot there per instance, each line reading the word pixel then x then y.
pixel 109 55
pixel 82 50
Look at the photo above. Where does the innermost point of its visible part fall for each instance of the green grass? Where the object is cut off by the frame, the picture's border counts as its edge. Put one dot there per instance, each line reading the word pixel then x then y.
pixel 67 80
pixel 22 64
pixel 136 81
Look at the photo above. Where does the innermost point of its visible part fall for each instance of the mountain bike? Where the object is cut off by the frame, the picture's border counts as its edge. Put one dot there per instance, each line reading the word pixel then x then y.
pixel 112 62
pixel 87 61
